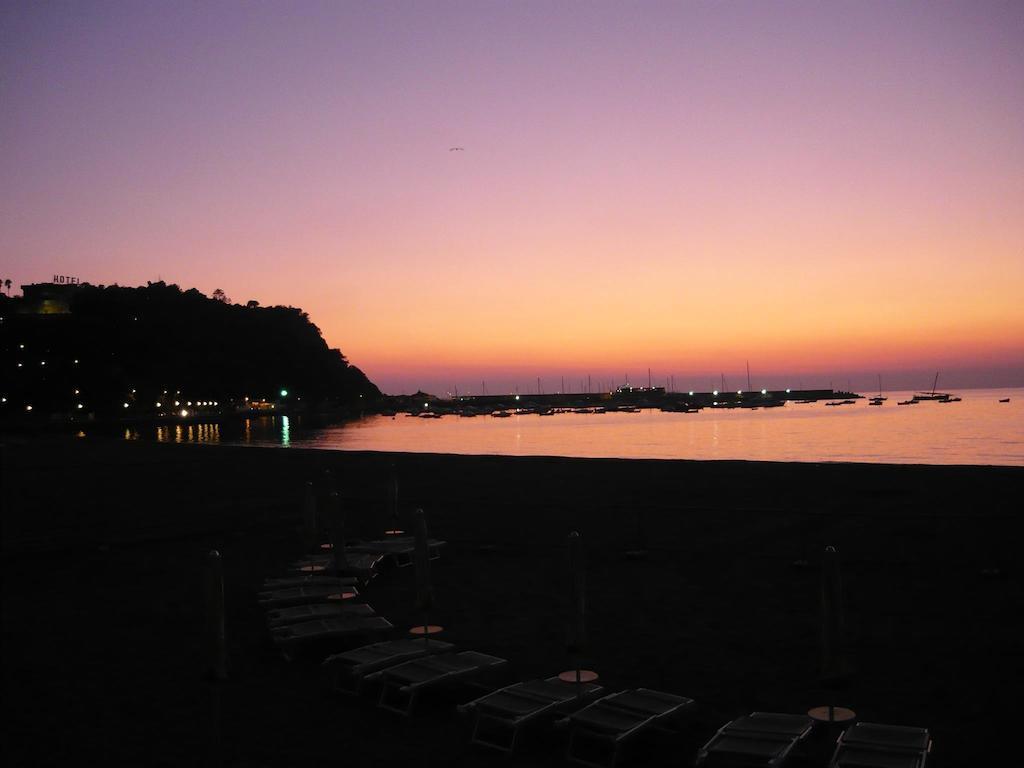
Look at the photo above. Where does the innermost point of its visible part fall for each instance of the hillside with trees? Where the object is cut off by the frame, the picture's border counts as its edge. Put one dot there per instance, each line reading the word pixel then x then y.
pixel 115 350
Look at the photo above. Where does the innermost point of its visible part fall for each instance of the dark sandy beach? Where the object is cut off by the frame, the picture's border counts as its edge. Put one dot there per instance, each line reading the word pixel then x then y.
pixel 104 544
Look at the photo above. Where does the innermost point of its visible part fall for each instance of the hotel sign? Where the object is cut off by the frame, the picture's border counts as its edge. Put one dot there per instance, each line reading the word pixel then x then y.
pixel 65 280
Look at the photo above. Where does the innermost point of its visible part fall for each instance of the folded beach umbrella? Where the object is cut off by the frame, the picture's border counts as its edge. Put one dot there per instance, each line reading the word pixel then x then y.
pixel 833 661
pixel 424 591
pixel 391 526
pixel 336 522
pixel 309 518
pixel 576 634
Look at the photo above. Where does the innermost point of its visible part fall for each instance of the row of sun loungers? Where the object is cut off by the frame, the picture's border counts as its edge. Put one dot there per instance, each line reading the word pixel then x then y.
pixel 318 605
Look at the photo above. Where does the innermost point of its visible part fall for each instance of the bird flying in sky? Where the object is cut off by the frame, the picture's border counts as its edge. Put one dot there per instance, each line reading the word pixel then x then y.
pixel 456 149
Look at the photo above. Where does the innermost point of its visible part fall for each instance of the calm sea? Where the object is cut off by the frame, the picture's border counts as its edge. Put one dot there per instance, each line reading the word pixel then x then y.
pixel 978 430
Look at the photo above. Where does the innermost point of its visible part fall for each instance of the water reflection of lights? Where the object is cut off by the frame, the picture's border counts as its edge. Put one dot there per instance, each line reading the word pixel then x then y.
pixel 285 432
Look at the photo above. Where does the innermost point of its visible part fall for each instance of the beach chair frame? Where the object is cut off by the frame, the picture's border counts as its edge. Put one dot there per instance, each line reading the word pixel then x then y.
pixel 747 729
pixel 855 739
pixel 358 673
pixel 614 736
pixel 399 694
pixel 490 722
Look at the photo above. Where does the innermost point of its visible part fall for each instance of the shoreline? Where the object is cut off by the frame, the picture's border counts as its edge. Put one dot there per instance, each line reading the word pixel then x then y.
pixel 114 533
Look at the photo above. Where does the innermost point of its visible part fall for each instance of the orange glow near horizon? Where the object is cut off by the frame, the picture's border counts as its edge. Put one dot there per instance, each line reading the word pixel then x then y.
pixel 825 190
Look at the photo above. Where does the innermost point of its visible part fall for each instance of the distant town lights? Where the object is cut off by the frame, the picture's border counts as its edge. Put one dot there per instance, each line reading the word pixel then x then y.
pixel 125 405
pixel 183 413
pixel 176 403
pixel 284 393
pixel 739 391
pixel 764 391
pixel 691 393
pixel 79 406
pixel 787 391
pixel 715 393
pixel 159 405
pixel 28 407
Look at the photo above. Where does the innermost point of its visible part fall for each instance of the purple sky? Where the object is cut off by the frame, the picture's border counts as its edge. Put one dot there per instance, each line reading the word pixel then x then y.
pixel 829 190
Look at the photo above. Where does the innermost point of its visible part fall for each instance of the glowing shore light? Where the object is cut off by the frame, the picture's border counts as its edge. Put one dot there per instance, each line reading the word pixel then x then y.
pixel 691 393
pixel 517 397
pixel 42 362
pixel 21 346
pixel 739 391
pixel 189 403
pixel 19 365
pixel 183 412
pixel 787 391
pixel 125 405
pixel 764 391
pixel 3 399
pixel 28 407
pixel 75 362
pixel 79 406
pixel 284 393
pixel 76 391
pixel 215 402
pixel 177 403
pixel 159 405
pixel 715 393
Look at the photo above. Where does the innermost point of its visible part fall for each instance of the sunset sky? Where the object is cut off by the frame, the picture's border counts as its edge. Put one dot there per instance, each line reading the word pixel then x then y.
pixel 828 190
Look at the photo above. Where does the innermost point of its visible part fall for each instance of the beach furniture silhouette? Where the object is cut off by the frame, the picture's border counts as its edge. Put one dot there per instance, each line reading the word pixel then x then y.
pixel 424 589
pixel 402 684
pixel 400 550
pixel 758 740
pixel 349 669
pixel 498 716
pixel 870 745
pixel 338 560
pixel 281 598
pixel 309 581
pixel 337 628
pixel 616 718
pixel 279 617
pixel 576 624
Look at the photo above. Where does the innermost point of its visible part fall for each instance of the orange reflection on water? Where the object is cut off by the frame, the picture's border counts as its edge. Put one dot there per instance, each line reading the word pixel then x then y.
pixel 978 430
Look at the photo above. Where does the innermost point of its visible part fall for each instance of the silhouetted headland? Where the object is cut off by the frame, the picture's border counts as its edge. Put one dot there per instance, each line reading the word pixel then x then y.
pixel 80 353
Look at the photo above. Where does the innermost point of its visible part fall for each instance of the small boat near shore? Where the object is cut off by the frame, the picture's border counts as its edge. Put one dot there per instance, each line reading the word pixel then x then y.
pixel 841 402
pixel 1004 400
pixel 907 402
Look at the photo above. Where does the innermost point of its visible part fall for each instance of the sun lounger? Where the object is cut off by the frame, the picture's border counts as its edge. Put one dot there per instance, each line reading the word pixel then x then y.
pixel 402 683
pixel 349 669
pixel 870 745
pixel 757 740
pixel 297 614
pixel 280 598
pixel 309 581
pixel 613 719
pixel 505 711
pixel 357 563
pixel 400 549
pixel 329 629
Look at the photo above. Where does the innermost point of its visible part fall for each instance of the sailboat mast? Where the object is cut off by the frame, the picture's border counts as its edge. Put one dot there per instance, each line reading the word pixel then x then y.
pixel 936 382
